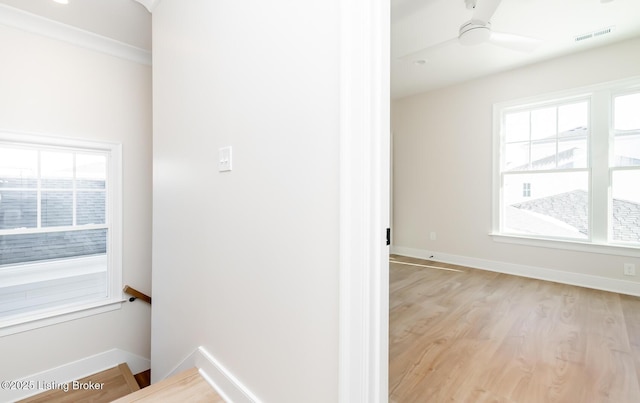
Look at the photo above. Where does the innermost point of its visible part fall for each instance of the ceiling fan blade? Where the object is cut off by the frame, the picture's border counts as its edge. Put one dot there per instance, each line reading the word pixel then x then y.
pixel 426 53
pixel 514 42
pixel 485 9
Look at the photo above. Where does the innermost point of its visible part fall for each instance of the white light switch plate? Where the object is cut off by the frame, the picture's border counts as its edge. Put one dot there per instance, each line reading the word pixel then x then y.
pixel 224 159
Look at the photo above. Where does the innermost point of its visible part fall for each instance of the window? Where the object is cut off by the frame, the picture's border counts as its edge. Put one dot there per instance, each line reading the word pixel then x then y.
pixel 625 168
pixel 59 226
pixel 580 151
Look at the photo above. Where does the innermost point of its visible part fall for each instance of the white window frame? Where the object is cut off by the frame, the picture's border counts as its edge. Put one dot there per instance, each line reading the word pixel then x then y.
pixel 600 98
pixel 112 263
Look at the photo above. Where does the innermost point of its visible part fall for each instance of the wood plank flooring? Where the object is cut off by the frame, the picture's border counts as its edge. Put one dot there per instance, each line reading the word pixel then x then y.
pixel 188 386
pixel 465 335
pixel 113 383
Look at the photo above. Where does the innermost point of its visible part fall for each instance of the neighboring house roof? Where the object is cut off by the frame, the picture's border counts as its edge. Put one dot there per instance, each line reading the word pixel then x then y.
pixel 566 159
pixel 569 157
pixel 572 208
pixel 18 209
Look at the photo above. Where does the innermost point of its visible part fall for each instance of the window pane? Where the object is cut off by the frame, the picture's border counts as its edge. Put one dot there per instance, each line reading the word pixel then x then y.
pixel 91 208
pixel 54 245
pixel 516 157
pixel 543 123
pixel 626 115
pixel 573 119
pixel 625 190
pixel 543 155
pixel 517 127
pixel 18 209
pixel 626 151
pixel 558 205
pixel 91 184
pixel 572 153
pixel 91 171
pixel 56 169
pixel 57 209
pixel 18 168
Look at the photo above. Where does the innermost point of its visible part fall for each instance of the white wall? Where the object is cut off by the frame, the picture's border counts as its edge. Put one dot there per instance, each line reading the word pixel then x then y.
pixel 443 161
pixel 51 87
pixel 245 263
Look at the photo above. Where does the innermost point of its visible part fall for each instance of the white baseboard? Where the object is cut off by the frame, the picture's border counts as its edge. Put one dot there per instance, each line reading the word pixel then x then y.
pixel 76 370
pixel 540 273
pixel 223 381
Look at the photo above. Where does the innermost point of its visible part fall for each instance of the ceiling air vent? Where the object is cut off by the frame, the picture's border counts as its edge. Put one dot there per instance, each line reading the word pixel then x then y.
pixel 594 34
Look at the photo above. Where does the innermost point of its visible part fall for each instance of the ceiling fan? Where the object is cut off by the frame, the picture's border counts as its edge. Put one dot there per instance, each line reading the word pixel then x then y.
pixel 478 30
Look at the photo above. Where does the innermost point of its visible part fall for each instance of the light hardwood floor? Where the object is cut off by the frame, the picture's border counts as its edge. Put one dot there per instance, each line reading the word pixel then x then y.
pixel 120 386
pixel 465 335
pixel 188 386
pixel 114 383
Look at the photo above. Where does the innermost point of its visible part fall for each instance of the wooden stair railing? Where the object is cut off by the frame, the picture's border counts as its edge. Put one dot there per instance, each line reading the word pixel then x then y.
pixel 135 294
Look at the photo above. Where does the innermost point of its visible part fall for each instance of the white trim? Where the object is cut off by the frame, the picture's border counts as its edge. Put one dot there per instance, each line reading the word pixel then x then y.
pixel 150 5
pixel 220 379
pixel 15 18
pixel 45 230
pixel 51 270
pixel 60 314
pixel 608 249
pixel 600 97
pixel 540 273
pixel 77 370
pixel 113 300
pixel 115 220
pixel 364 201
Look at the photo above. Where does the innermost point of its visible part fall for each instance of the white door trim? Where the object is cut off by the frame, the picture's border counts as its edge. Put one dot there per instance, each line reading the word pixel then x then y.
pixel 364 201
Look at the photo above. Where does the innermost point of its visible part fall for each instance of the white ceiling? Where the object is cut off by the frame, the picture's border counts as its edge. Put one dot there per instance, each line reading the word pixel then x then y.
pixel 123 20
pixel 417 24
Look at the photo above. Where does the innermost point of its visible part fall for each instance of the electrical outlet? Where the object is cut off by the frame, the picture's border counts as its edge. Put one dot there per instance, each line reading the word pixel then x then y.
pixel 432 236
pixel 629 269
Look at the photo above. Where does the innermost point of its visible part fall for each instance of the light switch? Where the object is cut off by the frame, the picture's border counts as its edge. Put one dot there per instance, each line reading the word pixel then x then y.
pixel 224 159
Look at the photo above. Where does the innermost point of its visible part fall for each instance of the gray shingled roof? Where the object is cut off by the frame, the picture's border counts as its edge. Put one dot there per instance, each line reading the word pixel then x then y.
pixel 18 209
pixel 572 208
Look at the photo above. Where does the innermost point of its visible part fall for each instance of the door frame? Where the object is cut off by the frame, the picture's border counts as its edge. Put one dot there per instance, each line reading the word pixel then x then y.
pixel 364 201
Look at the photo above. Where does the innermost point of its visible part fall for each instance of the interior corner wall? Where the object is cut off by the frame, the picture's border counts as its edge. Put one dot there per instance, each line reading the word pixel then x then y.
pixel 245 263
pixel 54 88
pixel 442 173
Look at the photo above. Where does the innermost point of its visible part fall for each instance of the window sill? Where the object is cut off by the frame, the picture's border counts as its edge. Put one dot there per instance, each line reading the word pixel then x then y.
pixel 608 249
pixel 27 273
pixel 62 314
pixel 19 278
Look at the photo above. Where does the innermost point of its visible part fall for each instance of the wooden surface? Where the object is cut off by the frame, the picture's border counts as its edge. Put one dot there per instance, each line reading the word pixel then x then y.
pixel 143 378
pixel 464 335
pixel 137 294
pixel 115 382
pixel 188 386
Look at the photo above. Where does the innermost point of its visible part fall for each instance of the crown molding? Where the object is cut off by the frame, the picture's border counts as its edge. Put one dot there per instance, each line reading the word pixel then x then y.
pixel 15 18
pixel 149 4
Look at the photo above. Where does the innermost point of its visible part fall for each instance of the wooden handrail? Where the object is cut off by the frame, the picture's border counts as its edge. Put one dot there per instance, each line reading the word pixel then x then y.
pixel 136 294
